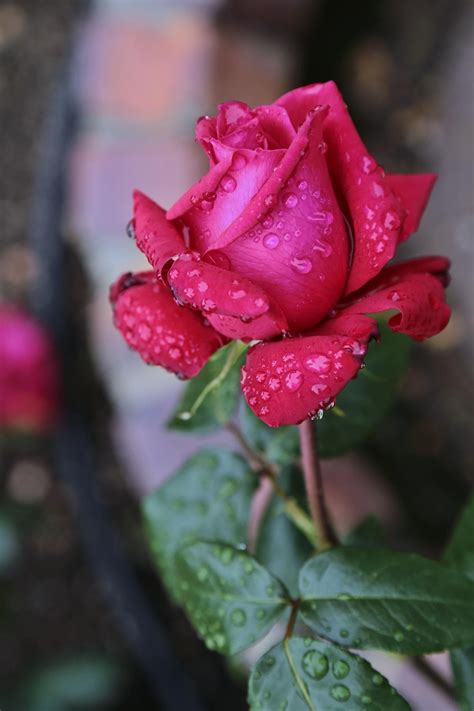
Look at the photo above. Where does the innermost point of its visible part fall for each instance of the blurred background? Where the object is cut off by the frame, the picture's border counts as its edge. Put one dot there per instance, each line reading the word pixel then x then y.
pixel 98 98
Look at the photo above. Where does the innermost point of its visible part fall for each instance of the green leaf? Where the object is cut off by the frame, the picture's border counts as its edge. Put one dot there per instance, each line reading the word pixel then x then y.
pixel 460 554
pixel 279 445
pixel 368 533
pixel 210 399
pixel 365 400
pixel 281 547
pixel 302 674
pixel 460 550
pixel 229 597
pixel 462 663
pixel 209 496
pixel 83 682
pixel 382 599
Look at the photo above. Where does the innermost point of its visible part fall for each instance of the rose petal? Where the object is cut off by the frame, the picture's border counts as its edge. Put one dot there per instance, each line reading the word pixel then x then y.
pixel 413 192
pixel 212 289
pixel 288 381
pixel 302 240
pixel 375 211
pixel 276 125
pixel 269 325
pixel 162 332
pixel 156 237
pixel 418 297
pixel 216 200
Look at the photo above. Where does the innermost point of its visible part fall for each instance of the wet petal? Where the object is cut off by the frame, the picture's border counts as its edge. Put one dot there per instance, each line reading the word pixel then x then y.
pixel 269 325
pixel 300 238
pixel 163 333
pixel 417 296
pixel 212 289
pixel 216 200
pixel 375 211
pixel 156 237
pixel 413 191
pixel 288 381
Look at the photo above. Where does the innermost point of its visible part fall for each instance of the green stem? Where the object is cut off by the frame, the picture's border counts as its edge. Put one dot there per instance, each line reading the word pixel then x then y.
pixel 325 534
pixel 292 509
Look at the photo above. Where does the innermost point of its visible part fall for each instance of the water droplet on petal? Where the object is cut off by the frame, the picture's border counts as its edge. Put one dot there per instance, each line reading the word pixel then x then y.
pixel 290 200
pixel 315 664
pixel 323 247
pixel 301 265
pixel 271 241
pixel 144 331
pixel 131 229
pixel 294 380
pixel 269 200
pixel 318 363
pixel 392 220
pixel 302 185
pixel 323 147
pixel 237 294
pixel 267 222
pixel 378 190
pixel 228 184
pixel 238 161
pixel 394 296
pixel 368 164
pixel 377 679
pixel 274 383
pixel 175 353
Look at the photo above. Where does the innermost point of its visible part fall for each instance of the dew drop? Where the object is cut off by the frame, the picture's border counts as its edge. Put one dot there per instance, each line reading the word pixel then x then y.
pixel 228 184
pixel 267 222
pixel 238 617
pixel 237 294
pixel 202 574
pixel 323 147
pixel 315 664
pixel 377 679
pixel 302 185
pixel 294 380
pixel 323 247
pixel 144 331
pixel 218 259
pixel 319 389
pixel 317 363
pixel 392 220
pixel 274 383
pixel 368 164
pixel 378 190
pixel 380 247
pixel 399 636
pixel 175 353
pixel 394 296
pixel 366 700
pixel 269 200
pixel 260 614
pixel 339 692
pixel 344 596
pixel 301 265
pixel 271 241
pixel 226 555
pixel 131 229
pixel 340 669
pixel 238 161
pixel 344 633
pixel 290 200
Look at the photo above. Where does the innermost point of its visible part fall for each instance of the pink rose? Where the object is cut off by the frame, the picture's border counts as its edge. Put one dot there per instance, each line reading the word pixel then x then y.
pixel 28 372
pixel 285 241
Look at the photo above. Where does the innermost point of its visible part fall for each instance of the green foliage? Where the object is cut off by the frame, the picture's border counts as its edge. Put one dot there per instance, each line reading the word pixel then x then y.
pixel 208 497
pixel 210 399
pixel 229 597
pixel 381 599
pixel 280 546
pixel 302 674
pixel 88 682
pixel 366 400
pixel 279 445
pixel 460 554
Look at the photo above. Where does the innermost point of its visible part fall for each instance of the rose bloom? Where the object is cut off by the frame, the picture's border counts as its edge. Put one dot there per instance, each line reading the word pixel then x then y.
pixel 284 242
pixel 28 373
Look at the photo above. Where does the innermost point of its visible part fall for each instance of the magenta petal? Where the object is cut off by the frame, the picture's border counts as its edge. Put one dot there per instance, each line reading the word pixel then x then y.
pixel 214 290
pixel 156 237
pixel 417 296
pixel 288 381
pixel 413 192
pixel 301 240
pixel 271 324
pixel 158 329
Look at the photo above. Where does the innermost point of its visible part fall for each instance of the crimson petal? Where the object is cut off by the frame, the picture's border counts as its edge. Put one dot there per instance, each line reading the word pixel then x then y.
pixel 414 192
pixel 417 296
pixel 288 381
pixel 156 237
pixel 214 290
pixel 158 329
